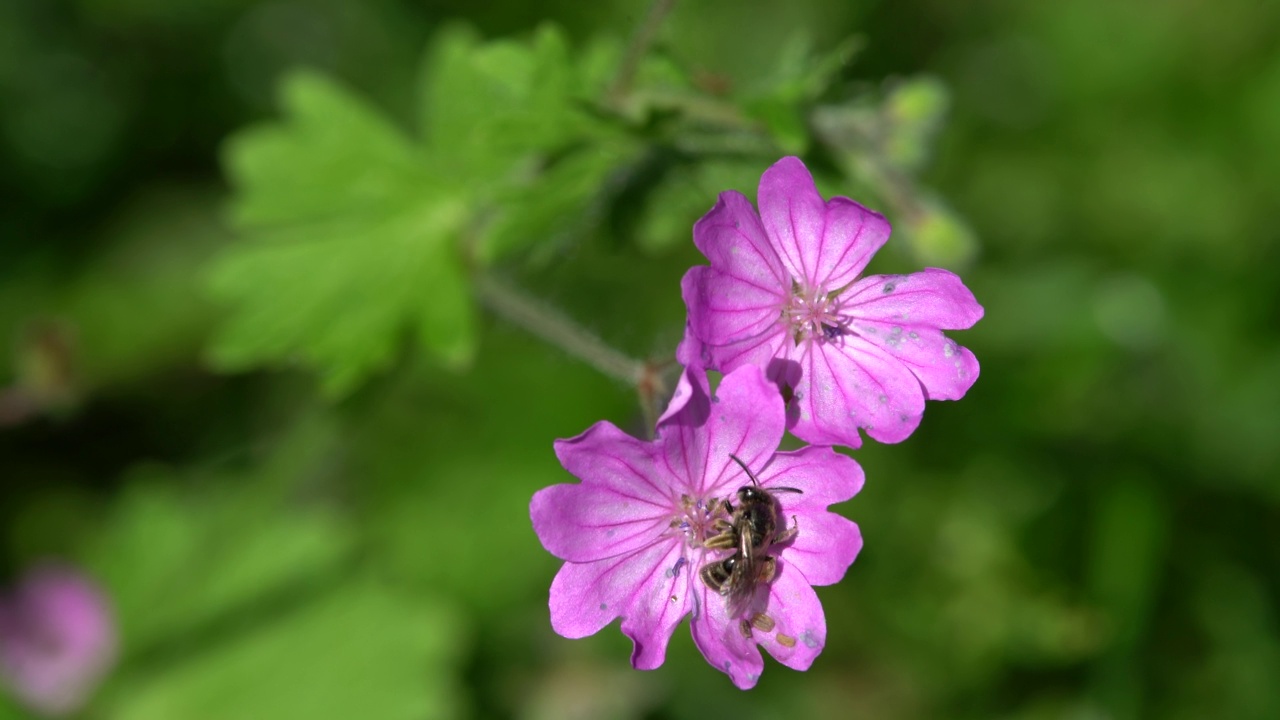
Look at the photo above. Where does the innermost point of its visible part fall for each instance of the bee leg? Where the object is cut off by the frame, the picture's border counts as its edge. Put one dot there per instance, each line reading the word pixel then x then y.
pixel 708 575
pixel 768 568
pixel 790 532
pixel 724 537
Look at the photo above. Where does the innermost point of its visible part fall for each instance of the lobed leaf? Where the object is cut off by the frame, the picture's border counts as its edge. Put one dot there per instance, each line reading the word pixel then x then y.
pixel 354 229
pixel 352 239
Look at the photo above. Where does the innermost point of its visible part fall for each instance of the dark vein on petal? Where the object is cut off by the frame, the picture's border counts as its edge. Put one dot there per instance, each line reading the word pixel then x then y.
pixel 853 244
pixel 772 305
pixel 637 498
pixel 645 479
pixel 751 243
pixel 764 336
pixel 611 569
pixel 771 291
pixel 795 238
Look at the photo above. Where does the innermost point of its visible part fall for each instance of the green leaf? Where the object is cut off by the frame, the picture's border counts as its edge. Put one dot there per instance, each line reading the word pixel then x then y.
pixel 484 105
pixel 352 236
pixel 511 118
pixel 359 652
pixel 558 203
pixel 800 76
pixel 354 229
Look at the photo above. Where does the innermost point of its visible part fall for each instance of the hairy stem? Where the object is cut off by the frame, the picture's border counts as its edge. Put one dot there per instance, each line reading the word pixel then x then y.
pixel 558 330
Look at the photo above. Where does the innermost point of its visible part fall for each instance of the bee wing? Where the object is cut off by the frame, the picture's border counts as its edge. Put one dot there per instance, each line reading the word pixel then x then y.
pixel 741 588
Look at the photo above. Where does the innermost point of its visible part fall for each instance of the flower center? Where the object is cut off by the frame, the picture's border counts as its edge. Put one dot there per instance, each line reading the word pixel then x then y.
pixel 813 314
pixel 699 520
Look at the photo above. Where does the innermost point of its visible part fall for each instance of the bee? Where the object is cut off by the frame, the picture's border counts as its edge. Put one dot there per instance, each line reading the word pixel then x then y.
pixel 736 579
pixel 752 528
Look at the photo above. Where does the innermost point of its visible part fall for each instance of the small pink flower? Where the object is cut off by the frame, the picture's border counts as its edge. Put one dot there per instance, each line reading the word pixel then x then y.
pixel 783 292
pixel 632 532
pixel 57 640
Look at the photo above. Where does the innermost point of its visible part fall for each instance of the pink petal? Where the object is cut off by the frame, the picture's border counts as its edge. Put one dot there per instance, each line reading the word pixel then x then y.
pixel 690 395
pixel 794 216
pixel 660 603
pixel 732 238
pixel 638 587
pixel 797 614
pixel 747 420
pixel 945 369
pixel 904 315
pixel 724 309
pixel 824 548
pixel 680 435
pixel 851 237
pixel 824 244
pixel 848 384
pixel 692 352
pixel 621 505
pixel 582 523
pixel 824 476
pixel 57 639
pixel 759 350
pixel 930 298
pixel 721 641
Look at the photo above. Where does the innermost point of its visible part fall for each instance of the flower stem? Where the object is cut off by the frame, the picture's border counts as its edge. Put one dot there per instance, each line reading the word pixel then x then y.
pixel 640 43
pixel 558 330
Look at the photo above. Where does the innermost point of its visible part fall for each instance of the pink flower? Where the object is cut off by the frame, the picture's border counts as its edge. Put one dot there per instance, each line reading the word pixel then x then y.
pixel 632 532
pixel 57 640
pixel 783 292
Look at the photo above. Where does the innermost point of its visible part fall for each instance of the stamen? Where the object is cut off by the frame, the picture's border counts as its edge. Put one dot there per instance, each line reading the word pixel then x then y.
pixel 763 622
pixel 813 314
pixel 786 640
pixel 704 522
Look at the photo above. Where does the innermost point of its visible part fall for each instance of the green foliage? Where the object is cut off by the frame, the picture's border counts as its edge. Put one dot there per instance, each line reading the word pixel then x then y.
pixel 939 236
pixel 800 76
pixel 485 104
pixel 883 145
pixel 912 114
pixel 1090 533
pixel 357 652
pixel 686 194
pixel 358 232
pixel 341 206
pixel 512 122
pixel 179 555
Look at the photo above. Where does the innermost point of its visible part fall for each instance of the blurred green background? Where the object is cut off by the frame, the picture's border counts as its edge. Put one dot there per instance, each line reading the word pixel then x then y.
pixel 251 388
